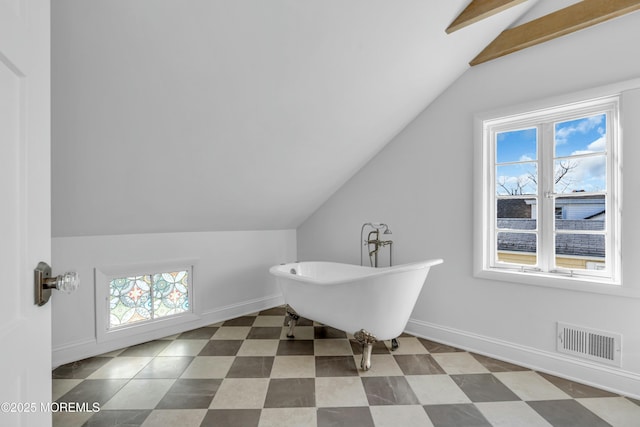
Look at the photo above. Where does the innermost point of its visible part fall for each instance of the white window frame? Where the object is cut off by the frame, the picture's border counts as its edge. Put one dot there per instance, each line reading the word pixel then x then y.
pixel 103 277
pixel 485 127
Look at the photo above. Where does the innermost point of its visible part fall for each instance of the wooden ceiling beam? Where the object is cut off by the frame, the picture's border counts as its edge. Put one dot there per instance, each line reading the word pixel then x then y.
pixel 564 21
pixel 478 10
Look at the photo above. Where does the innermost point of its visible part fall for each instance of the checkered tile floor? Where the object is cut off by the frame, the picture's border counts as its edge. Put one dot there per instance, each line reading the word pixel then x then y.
pixel 245 372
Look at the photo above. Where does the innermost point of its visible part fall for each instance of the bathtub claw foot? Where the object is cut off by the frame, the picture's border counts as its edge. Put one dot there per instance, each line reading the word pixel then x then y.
pixel 394 344
pixel 367 340
pixel 293 320
pixel 365 363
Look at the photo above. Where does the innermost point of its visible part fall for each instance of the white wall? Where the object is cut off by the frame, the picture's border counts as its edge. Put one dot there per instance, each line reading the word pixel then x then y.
pixel 421 185
pixel 265 108
pixel 230 279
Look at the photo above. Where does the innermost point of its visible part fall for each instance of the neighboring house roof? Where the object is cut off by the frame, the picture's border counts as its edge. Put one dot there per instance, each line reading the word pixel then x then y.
pixel 596 215
pixel 589 245
pixel 573 200
pixel 513 208
pixel 515 214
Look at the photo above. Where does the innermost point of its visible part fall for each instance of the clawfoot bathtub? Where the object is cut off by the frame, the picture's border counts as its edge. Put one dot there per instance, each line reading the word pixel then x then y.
pixel 372 303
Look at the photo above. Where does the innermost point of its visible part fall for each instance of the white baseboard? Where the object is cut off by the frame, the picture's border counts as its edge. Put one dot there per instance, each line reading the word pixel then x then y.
pixel 78 350
pixel 604 377
pixel 242 308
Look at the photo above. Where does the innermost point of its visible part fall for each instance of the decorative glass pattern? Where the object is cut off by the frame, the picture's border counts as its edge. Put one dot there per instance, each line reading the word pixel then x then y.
pixel 142 298
pixel 170 292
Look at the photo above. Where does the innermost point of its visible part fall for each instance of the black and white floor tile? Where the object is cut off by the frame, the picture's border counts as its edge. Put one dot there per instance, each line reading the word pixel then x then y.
pixel 245 372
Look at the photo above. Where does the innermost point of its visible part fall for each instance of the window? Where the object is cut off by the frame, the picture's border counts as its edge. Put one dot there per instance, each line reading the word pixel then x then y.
pixel 549 196
pixel 558 212
pixel 143 299
pixel 148 297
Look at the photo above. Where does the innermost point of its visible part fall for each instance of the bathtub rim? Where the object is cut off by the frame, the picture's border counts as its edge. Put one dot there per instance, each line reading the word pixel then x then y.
pixel 282 270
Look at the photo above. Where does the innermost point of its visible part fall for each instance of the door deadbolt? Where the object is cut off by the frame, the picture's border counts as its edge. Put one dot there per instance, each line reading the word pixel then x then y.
pixel 44 283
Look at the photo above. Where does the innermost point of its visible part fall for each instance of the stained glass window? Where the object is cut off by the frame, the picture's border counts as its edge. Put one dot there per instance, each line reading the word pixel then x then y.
pixel 141 298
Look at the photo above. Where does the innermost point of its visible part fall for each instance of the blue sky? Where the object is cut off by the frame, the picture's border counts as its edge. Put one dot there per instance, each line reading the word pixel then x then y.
pixel 572 138
pixel 517 145
pixel 580 136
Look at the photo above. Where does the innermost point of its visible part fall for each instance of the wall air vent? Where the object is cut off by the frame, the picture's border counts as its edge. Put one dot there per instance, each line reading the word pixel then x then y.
pixel 599 346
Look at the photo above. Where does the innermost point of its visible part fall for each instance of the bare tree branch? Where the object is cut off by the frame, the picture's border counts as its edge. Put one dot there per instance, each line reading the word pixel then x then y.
pixel 562 174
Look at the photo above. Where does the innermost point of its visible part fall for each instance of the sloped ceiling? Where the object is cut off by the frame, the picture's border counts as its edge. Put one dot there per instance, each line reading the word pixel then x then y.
pixel 204 115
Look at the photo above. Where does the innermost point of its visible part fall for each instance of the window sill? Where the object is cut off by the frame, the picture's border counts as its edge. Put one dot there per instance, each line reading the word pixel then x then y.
pixel 145 328
pixel 548 280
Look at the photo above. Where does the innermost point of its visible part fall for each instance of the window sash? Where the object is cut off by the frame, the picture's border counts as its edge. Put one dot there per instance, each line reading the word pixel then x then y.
pixel 150 308
pixel 105 274
pixel 545 197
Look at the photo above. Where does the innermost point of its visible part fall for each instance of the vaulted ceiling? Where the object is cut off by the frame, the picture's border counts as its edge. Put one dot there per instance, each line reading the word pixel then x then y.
pixel 206 115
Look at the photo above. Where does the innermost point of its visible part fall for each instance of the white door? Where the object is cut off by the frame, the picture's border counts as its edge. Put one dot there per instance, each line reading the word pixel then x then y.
pixel 25 213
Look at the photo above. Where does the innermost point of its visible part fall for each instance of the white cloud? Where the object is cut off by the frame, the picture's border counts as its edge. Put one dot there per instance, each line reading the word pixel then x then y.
pixel 583 126
pixel 589 174
pixel 597 146
pixel 516 184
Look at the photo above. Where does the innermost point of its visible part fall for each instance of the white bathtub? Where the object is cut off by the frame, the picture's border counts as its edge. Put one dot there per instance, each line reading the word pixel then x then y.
pixel 372 303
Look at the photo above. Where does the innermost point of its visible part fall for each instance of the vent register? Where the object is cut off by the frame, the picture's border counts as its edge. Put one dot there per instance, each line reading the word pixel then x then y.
pixel 599 346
